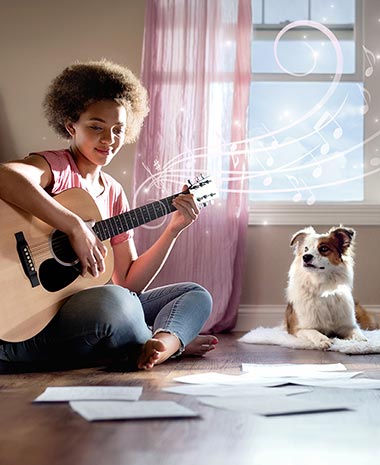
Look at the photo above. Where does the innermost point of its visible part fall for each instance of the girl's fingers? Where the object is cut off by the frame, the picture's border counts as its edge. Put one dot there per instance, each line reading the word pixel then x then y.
pixel 186 204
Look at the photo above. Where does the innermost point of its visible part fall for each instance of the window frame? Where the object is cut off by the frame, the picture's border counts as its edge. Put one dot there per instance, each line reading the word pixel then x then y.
pixel 366 212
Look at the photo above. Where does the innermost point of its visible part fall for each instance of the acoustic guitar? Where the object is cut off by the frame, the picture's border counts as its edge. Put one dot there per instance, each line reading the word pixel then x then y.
pixel 39 269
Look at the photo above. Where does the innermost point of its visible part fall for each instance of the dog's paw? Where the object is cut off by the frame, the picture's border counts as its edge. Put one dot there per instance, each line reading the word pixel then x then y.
pixel 359 337
pixel 318 340
pixel 324 343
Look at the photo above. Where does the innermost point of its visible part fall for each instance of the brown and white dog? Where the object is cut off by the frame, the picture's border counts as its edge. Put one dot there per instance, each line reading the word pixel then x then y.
pixel 319 292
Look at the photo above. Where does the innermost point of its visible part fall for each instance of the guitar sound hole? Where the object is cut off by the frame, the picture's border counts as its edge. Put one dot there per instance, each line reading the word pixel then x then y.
pixel 61 249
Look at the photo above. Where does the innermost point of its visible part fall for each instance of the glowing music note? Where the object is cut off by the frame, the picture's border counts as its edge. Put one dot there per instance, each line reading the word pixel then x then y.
pixel 370 56
pixel 269 160
pixel 317 172
pixel 275 143
pixel 325 147
pixel 326 119
pixel 268 179
pixel 311 199
pixel 294 182
pixel 323 121
pixel 365 94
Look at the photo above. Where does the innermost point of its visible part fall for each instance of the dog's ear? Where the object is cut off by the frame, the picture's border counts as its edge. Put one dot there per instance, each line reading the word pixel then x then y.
pixel 299 236
pixel 345 237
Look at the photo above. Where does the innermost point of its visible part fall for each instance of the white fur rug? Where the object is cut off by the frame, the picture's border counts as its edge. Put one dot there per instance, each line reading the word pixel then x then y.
pixel 279 336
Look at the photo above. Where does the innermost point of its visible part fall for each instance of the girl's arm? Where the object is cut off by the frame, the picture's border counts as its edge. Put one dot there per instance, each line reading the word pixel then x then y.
pixel 137 272
pixel 23 184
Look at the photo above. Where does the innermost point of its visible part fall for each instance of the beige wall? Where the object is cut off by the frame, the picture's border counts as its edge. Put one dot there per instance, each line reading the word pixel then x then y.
pixel 40 37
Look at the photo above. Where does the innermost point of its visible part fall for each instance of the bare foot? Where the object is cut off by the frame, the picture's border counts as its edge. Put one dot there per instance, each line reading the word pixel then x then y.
pixel 150 354
pixel 201 345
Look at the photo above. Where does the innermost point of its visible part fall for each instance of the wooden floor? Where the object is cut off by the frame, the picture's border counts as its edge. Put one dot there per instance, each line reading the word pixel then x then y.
pixel 52 434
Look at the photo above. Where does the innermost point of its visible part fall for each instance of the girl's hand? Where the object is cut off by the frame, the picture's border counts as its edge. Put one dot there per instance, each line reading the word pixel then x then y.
pixel 88 248
pixel 187 212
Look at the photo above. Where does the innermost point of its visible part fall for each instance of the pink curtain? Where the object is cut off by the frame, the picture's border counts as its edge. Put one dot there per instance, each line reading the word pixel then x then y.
pixel 196 68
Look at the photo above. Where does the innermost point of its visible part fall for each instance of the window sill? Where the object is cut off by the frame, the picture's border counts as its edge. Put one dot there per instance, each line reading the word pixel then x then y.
pixel 319 214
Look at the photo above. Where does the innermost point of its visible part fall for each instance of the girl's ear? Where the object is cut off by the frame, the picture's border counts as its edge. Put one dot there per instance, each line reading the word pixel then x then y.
pixel 70 128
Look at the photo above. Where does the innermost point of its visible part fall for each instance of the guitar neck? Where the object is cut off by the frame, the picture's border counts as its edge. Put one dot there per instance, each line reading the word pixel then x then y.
pixel 105 229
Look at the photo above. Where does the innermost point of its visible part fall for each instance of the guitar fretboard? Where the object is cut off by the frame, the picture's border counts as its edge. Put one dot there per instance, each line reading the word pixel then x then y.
pixel 105 229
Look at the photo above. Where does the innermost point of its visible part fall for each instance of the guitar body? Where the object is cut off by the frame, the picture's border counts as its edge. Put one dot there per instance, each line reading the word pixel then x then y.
pixel 34 279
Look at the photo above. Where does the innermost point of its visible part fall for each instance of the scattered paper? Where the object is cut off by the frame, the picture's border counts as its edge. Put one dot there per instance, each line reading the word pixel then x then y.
pixel 119 410
pixel 290 369
pixel 67 393
pixel 357 383
pixel 231 391
pixel 219 378
pixel 272 406
pixel 328 375
pixel 252 378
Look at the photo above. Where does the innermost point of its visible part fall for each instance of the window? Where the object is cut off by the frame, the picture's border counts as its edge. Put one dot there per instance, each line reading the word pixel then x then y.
pixel 307 110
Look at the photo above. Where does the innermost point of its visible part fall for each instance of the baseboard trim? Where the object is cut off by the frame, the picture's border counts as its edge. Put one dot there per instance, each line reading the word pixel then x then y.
pixel 253 316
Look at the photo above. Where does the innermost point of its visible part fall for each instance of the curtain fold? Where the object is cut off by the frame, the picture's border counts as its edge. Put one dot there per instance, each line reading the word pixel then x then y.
pixel 197 70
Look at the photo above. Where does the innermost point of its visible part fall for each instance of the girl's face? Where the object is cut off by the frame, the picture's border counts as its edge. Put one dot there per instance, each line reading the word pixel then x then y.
pixel 99 133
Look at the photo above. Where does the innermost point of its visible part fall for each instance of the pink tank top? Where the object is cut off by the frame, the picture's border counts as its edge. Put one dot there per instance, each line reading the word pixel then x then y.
pixel 111 202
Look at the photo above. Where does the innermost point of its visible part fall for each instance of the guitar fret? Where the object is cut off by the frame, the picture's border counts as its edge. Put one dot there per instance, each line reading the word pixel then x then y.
pixel 103 225
pixel 133 218
pixel 114 225
pixel 154 210
pixel 140 217
pixel 129 220
pixel 145 214
pixel 124 222
pixel 119 226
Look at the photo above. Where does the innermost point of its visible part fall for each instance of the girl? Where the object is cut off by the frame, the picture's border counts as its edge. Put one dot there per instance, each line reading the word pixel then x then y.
pixel 99 106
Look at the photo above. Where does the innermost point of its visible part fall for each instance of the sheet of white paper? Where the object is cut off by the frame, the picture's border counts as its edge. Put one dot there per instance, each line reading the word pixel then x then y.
pixel 228 391
pixel 290 369
pixel 93 410
pixel 356 383
pixel 228 380
pixel 329 375
pixel 278 405
pixel 251 379
pixel 67 393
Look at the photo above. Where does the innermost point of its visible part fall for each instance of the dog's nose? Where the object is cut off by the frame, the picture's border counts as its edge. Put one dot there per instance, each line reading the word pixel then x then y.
pixel 307 258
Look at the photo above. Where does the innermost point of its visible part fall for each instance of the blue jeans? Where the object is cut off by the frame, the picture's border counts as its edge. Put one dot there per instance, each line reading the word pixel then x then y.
pixel 109 322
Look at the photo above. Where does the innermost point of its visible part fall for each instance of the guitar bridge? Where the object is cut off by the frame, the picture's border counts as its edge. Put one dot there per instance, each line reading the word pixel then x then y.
pixel 26 259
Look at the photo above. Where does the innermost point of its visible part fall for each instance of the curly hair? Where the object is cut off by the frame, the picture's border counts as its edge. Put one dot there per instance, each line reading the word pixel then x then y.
pixel 81 84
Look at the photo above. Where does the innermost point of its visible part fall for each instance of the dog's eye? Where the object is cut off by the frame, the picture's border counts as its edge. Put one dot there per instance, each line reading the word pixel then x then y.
pixel 306 249
pixel 323 249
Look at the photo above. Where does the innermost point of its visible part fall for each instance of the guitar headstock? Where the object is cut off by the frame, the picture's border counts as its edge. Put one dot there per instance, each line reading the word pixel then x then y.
pixel 203 189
